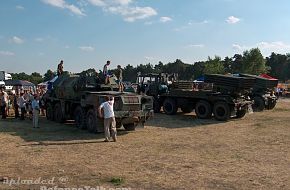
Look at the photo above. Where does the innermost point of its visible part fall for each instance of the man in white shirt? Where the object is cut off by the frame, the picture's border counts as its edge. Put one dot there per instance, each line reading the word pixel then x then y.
pixel 109 118
pixel 106 72
pixel 4 103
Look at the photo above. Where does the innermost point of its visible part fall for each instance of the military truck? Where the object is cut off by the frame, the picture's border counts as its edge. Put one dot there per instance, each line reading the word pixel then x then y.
pixel 206 101
pixel 77 97
pixel 263 92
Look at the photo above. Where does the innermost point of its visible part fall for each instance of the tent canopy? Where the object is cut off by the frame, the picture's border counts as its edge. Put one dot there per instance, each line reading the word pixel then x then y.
pixel 267 77
pixel 200 79
pixel 18 83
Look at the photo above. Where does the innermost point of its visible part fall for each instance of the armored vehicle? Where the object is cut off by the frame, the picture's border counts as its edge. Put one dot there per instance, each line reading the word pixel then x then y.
pixel 263 92
pixel 77 97
pixel 206 101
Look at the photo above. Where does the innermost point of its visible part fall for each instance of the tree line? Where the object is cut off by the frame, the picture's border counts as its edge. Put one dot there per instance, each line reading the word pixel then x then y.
pixel 250 62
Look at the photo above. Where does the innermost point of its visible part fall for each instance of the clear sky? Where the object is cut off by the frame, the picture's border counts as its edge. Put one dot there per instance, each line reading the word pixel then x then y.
pixel 36 34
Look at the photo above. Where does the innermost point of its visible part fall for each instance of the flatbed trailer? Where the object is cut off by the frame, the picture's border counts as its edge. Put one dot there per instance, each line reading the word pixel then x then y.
pixel 205 103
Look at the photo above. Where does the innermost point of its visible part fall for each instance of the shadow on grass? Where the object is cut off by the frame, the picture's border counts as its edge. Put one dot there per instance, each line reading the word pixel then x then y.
pixel 50 133
pixel 181 120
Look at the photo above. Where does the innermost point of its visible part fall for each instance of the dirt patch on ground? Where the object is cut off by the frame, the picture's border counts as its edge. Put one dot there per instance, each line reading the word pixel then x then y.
pixel 171 152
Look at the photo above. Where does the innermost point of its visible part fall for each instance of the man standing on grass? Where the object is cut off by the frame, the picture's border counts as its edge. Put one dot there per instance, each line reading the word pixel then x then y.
pixel 109 118
pixel 4 103
pixel 35 112
pixel 22 105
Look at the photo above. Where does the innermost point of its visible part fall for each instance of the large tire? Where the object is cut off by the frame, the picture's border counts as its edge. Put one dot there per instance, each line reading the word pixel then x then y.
pixel 272 105
pixel 91 121
pixel 130 126
pixel 169 106
pixel 80 118
pixel 58 116
pixel 221 111
pixel 118 125
pixel 241 113
pixel 156 106
pixel 203 110
pixel 49 112
pixel 186 109
pixel 259 104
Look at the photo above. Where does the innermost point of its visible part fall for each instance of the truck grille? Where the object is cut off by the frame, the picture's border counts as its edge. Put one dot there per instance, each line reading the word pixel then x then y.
pixel 127 103
pixel 131 100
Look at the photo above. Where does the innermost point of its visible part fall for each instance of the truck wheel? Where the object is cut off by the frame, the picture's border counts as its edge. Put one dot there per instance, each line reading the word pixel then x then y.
pixel 91 121
pixel 80 117
pixel 221 111
pixel 186 109
pixel 118 125
pixel 58 116
pixel 49 112
pixel 169 106
pixel 259 104
pixel 130 126
pixel 272 105
pixel 203 110
pixel 241 113
pixel 156 106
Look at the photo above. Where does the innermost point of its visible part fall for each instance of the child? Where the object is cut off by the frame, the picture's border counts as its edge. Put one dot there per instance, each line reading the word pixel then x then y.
pixel 35 108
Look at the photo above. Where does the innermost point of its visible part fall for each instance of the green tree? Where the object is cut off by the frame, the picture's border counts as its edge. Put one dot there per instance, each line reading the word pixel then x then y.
pixel 159 67
pixel 214 66
pixel 253 62
pixel 48 75
pixel 198 68
pixel 35 78
pixel 20 76
pixel 237 63
pixel 279 66
pixel 185 71
pixel 144 69
pixel 130 73
pixel 227 62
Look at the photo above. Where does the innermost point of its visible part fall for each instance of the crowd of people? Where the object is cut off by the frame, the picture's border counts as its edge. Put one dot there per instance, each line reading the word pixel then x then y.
pixel 26 104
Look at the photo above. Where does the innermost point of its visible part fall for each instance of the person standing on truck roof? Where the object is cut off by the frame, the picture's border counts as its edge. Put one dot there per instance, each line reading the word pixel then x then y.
pixel 106 72
pixel 119 75
pixel 60 68
pixel 109 118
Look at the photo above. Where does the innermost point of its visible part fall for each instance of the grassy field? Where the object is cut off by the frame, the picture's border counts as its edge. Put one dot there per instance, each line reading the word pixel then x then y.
pixel 171 152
